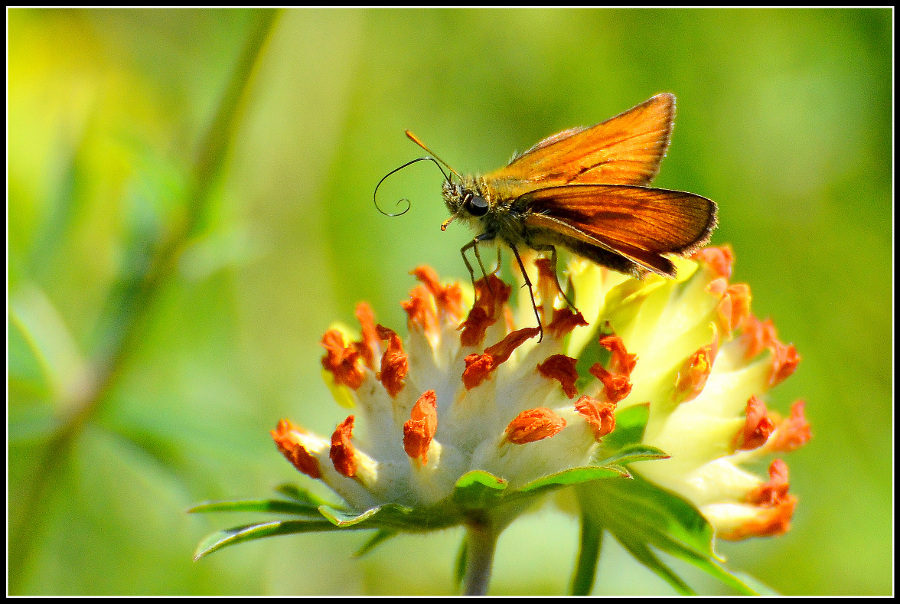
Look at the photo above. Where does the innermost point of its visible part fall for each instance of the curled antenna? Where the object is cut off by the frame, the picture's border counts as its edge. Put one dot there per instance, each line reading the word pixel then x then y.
pixel 409 163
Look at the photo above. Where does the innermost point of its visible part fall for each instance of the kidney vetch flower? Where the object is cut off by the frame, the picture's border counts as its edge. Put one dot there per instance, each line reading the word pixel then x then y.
pixel 653 391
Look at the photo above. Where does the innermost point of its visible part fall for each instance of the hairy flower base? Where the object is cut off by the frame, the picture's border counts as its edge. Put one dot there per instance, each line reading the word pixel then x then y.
pixel 473 392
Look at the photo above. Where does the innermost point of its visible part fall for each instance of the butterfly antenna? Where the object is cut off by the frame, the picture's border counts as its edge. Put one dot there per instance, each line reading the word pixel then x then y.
pixel 414 139
pixel 409 163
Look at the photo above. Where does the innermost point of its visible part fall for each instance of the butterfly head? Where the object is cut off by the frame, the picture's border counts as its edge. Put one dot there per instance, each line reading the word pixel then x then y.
pixel 465 201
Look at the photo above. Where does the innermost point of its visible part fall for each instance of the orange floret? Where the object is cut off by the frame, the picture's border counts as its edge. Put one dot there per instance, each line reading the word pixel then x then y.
pixel 694 373
pixel 285 436
pixel 533 425
pixel 621 362
pixel 784 362
pixel 793 432
pixel 775 507
pixel 599 415
pixel 448 299
pixel 394 363
pixel 342 453
pixel 419 429
pixel 615 386
pixel 735 306
pixel 341 360
pixel 564 321
pixel 756 335
pixel 491 294
pixel 562 368
pixel 420 312
pixel 757 426
pixel 371 343
pixel 720 259
pixel 480 366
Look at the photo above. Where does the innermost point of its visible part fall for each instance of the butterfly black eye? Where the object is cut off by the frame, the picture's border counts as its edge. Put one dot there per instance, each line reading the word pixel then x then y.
pixel 476 205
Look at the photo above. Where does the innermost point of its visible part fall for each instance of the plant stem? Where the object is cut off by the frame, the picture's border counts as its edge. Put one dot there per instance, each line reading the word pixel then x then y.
pixel 482 540
pixel 589 554
pixel 131 312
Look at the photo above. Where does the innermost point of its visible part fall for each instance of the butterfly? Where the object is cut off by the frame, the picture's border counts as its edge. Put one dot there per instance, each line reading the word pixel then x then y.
pixel 586 189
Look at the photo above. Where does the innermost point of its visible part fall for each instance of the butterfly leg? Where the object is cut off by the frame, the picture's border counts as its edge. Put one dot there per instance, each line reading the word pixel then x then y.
pixel 537 315
pixel 478 257
pixel 474 245
pixel 559 288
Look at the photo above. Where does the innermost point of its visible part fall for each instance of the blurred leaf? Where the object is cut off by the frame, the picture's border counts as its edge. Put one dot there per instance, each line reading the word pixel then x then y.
pixel 250 532
pixel 302 496
pixel 639 515
pixel 377 539
pixel 277 506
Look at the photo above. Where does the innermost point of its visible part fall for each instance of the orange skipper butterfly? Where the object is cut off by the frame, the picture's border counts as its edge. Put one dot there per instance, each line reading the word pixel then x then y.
pixel 586 189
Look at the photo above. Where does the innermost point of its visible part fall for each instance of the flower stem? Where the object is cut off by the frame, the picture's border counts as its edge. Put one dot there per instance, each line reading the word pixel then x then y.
pixel 589 554
pixel 482 540
pixel 131 308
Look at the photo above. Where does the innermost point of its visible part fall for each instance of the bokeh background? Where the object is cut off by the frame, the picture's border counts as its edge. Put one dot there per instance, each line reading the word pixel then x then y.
pixel 190 207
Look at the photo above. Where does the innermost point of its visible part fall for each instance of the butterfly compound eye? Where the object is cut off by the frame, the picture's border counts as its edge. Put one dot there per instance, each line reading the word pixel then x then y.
pixel 476 205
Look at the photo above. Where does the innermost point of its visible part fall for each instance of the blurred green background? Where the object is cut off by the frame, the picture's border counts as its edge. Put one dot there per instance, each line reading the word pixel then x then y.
pixel 190 207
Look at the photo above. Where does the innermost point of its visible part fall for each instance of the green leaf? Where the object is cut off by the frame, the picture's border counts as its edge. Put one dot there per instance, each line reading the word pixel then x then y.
pixel 461 558
pixel 573 476
pixel 630 424
pixel 628 454
pixel 395 517
pixel 640 514
pixel 278 506
pixel 303 496
pixel 475 492
pixel 591 353
pixel 250 532
pixel 646 557
pixel 377 539
pixel 478 489
pixel 755 584
pixel 344 519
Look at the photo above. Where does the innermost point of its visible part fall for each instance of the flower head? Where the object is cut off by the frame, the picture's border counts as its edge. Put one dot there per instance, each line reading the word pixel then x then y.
pixel 465 392
pixel 706 364
pixel 648 405
pixel 479 391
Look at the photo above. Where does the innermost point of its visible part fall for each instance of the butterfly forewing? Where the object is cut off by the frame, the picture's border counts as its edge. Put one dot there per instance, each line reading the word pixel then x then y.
pixel 626 149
